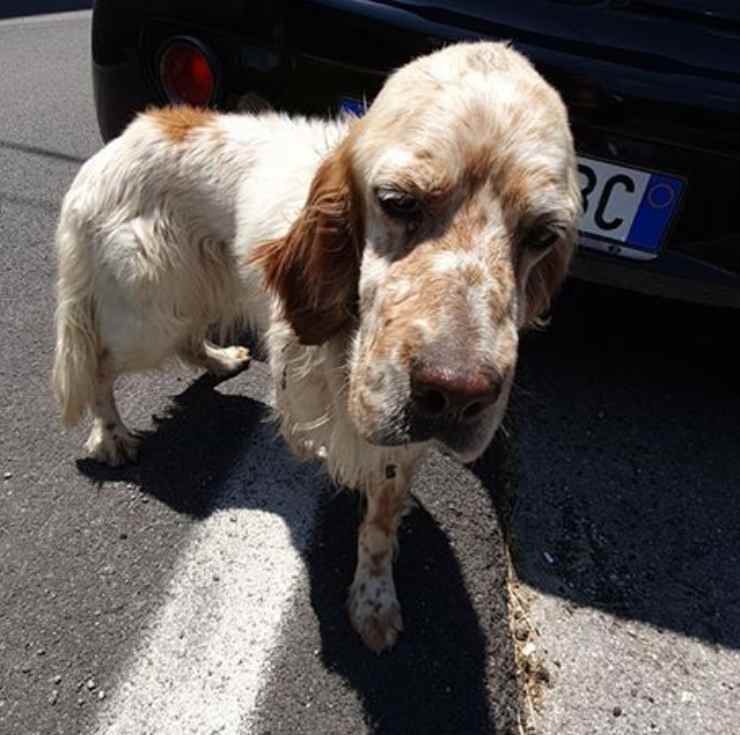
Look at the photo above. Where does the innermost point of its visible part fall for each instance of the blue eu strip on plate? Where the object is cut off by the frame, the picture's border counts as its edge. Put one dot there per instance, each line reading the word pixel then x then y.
pixel 659 202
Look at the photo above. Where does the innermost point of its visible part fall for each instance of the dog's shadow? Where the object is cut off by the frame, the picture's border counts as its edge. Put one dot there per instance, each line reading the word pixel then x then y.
pixel 191 451
pixel 439 672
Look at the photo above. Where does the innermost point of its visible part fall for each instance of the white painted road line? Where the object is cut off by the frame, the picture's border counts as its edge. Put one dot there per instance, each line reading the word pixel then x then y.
pixel 200 668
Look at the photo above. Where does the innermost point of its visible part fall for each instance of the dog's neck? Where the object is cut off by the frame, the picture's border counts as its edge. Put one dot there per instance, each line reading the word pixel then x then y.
pixel 310 386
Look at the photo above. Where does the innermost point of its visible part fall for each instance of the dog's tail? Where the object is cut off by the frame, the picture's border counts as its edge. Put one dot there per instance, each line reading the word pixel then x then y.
pixel 77 343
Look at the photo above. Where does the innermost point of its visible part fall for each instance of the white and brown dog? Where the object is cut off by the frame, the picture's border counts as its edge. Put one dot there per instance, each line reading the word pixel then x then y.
pixel 388 263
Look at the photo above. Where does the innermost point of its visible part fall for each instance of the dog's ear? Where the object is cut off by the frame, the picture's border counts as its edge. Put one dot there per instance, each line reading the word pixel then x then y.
pixel 548 274
pixel 314 269
pixel 545 279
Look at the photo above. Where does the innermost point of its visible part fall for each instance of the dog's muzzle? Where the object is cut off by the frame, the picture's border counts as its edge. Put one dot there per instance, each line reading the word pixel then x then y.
pixel 450 407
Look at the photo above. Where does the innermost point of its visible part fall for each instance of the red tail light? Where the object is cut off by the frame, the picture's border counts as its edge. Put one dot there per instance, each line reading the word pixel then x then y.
pixel 187 73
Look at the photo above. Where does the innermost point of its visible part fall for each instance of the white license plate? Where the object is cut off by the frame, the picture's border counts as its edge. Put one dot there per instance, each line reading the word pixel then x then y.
pixel 626 211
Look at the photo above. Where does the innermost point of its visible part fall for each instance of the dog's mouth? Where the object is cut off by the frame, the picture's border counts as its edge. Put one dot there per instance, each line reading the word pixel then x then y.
pixel 389 410
pixel 463 439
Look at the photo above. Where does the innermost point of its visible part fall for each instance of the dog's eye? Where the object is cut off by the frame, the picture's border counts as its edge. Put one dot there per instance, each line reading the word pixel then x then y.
pixel 398 204
pixel 542 239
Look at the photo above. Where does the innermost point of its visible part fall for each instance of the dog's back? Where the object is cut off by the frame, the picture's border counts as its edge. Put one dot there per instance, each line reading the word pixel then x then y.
pixel 153 238
pixel 133 264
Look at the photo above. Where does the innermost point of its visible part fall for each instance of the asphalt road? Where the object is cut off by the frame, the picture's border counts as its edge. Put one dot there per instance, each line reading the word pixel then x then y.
pixel 627 523
pixel 123 597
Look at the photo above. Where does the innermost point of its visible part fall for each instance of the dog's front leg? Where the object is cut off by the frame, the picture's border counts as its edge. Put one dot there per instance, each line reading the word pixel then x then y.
pixel 373 605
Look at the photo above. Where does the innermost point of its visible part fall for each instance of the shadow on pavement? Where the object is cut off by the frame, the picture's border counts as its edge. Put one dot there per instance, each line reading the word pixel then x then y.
pixel 194 449
pixel 626 423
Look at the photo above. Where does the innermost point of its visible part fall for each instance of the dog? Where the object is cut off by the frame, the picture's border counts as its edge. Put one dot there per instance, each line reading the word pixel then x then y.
pixel 389 263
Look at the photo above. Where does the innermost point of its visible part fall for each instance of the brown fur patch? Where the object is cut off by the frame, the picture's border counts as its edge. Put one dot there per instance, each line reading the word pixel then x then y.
pixel 497 302
pixel 315 267
pixel 378 558
pixel 435 294
pixel 473 275
pixel 411 339
pixel 389 505
pixel 478 162
pixel 176 123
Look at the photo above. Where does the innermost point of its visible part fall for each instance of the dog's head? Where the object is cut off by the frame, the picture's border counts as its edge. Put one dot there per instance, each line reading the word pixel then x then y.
pixel 438 229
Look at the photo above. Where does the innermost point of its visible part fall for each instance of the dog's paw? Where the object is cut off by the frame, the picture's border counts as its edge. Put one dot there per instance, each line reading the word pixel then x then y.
pixel 375 613
pixel 112 446
pixel 228 361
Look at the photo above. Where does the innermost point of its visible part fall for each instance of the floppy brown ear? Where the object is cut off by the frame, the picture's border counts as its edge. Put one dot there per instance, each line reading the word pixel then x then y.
pixel 314 269
pixel 549 273
pixel 545 279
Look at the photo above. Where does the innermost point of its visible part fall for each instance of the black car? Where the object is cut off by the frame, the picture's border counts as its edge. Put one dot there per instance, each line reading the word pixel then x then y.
pixel 653 88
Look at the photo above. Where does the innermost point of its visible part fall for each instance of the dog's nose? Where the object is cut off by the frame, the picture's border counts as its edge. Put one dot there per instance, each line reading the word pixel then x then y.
pixel 452 394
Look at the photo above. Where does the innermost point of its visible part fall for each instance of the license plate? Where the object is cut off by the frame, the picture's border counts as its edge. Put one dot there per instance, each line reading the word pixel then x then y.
pixel 626 211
